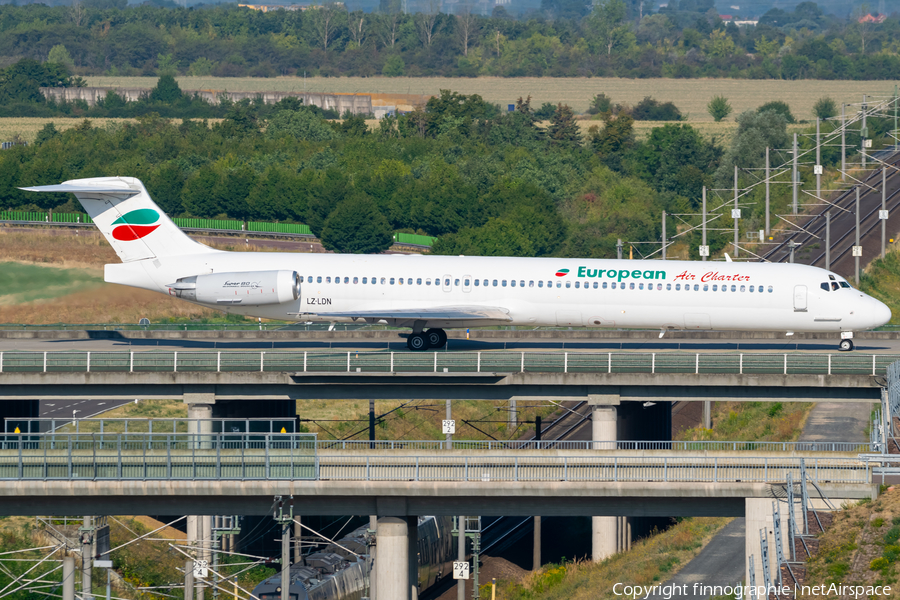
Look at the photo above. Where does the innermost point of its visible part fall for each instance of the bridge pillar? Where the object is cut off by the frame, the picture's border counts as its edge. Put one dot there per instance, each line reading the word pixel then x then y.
pixel 606 538
pixel 392 565
pixel 412 540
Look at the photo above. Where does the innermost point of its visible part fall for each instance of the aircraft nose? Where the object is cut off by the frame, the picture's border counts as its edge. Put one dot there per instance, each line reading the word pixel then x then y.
pixel 880 313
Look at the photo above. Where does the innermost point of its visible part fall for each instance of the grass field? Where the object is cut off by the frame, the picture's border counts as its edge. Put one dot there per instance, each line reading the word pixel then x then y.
pixel 690 95
pixel 21 283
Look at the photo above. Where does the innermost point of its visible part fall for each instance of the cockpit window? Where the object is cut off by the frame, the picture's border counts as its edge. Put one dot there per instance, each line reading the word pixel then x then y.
pixel 844 284
pixel 831 277
pixel 824 286
pixel 835 286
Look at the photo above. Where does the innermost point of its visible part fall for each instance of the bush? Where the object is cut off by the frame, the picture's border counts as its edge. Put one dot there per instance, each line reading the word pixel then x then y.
pixel 600 104
pixel 879 522
pixel 878 564
pixel 545 112
pixel 825 108
pixel 649 109
pixel 779 107
pixel 719 108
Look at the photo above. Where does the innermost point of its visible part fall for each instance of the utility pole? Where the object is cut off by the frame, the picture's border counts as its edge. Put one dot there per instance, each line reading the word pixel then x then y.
pixel 883 214
pixel 371 423
pixel 863 133
pixel 449 436
pixel 664 235
pixel 704 249
pixel 818 168
pixel 461 554
pixel 843 143
pixel 768 224
pixel 796 177
pixel 619 249
pixel 87 559
pixel 736 213
pixel 286 520
pixel 828 240
pixel 536 552
pixel 189 579
pixel 856 251
pixel 68 581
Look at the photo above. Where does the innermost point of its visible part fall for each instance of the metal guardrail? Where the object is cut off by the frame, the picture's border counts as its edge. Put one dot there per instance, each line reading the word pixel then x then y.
pixel 447 362
pixel 187 439
pixel 524 445
pixel 588 468
pixel 154 457
pixel 101 425
pixel 80 458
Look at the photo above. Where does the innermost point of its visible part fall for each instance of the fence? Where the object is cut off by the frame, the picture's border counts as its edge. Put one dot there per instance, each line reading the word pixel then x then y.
pixel 447 362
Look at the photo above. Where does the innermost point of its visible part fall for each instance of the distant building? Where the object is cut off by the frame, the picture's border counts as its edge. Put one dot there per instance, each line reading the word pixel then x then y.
pixel 869 18
pixel 291 7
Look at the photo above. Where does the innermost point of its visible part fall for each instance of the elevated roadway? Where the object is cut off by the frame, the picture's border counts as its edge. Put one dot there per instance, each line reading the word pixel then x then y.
pixel 207 377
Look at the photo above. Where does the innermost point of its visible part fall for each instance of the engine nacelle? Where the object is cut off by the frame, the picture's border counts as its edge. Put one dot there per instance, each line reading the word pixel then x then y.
pixel 250 288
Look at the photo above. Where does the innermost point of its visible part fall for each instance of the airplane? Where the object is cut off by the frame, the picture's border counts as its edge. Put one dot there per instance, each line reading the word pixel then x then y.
pixel 430 294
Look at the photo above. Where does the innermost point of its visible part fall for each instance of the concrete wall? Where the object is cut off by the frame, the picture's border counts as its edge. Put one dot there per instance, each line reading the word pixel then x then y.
pixel 358 104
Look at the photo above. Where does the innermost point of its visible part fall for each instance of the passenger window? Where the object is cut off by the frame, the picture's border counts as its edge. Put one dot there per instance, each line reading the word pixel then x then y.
pixel 531 283
pixel 512 283
pixel 346 280
pixel 328 280
pixel 760 289
pixel 466 283
pixel 477 281
pixel 447 282
pixel 640 286
pixel 456 282
pixel 577 284
pixel 668 287
pixel 540 284
pixel 771 290
pixel 715 288
pixel 419 281
pixel 383 280
pixel 677 287
pixel 399 281
pixel 733 288
pixel 631 286
pixel 503 283
pixel 743 288
pixel 319 279
pixel 604 285
pixel 495 283
pixel 751 289
pixel 356 280
pixel 658 287
pixel 568 284
pixel 705 287
pixel 521 283
pixel 365 280
pixel 392 281
pixel 596 285
pixel 613 285
pixel 696 287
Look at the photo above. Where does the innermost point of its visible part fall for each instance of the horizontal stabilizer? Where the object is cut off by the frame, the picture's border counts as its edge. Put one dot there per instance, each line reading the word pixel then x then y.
pixel 68 187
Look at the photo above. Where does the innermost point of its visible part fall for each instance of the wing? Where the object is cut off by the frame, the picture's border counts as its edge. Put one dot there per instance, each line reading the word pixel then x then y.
pixel 408 315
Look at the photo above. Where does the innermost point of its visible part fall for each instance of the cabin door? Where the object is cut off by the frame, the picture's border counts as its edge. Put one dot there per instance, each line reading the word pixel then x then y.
pixel 799 298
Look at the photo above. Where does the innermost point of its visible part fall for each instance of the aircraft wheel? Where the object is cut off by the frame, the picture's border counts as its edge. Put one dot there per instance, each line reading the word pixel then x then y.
pixel 845 345
pixel 437 338
pixel 417 342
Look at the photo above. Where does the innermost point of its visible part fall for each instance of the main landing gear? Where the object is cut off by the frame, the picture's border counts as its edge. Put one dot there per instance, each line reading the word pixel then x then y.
pixel 433 338
pixel 845 345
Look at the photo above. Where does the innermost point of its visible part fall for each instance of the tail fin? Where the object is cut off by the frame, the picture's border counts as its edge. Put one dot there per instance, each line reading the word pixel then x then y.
pixel 125 214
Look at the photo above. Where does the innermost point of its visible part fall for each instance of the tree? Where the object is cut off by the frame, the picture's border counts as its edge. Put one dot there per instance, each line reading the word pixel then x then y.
pixel 47 132
pixel 779 107
pixel 466 27
pixel 649 109
pixel 600 104
pixel 564 130
pixel 719 108
pixel 756 131
pixel 299 124
pixel 325 20
pixel 356 226
pixel 426 20
pixel 607 24
pixel 616 136
pixel 825 108
pixel 166 90
pixel 60 56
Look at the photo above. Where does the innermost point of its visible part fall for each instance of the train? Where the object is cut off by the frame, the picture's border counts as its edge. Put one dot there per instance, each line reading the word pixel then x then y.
pixel 341 570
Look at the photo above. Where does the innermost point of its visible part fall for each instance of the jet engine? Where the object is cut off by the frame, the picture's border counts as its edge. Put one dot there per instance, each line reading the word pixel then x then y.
pixel 248 288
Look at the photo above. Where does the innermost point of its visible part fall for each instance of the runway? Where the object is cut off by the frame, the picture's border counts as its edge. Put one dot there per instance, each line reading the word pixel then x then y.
pixel 398 344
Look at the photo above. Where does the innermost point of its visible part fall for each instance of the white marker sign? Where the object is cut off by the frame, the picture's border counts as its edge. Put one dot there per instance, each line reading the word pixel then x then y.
pixel 460 569
pixel 201 569
pixel 704 250
pixel 448 426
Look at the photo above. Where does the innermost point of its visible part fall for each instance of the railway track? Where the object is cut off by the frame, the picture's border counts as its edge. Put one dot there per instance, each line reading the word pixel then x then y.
pixel 843 225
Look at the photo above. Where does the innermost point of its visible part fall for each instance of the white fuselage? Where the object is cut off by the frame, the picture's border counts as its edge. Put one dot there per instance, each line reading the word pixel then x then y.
pixel 536 292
